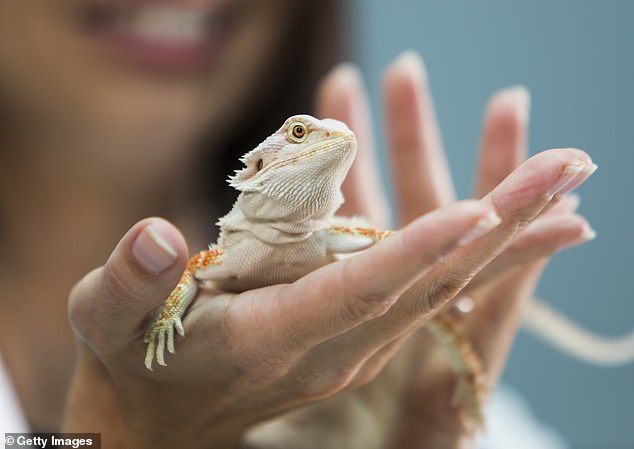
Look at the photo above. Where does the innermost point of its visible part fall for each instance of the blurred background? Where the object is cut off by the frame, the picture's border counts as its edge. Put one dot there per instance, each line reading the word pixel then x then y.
pixel 577 60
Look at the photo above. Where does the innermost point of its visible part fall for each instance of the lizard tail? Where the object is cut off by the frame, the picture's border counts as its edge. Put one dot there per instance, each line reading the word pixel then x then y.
pixel 471 388
pixel 554 328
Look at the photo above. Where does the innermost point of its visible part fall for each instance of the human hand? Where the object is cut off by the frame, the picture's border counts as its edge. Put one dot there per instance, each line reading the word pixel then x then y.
pixel 262 352
pixel 247 356
pixel 408 404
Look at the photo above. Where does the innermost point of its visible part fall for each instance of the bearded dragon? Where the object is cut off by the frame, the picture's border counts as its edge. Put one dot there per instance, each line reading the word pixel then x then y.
pixel 283 226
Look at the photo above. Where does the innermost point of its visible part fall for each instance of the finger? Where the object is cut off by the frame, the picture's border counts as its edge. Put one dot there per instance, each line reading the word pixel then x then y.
pixel 375 363
pixel 504 138
pixel 108 306
pixel 340 296
pixel 342 96
pixel 562 204
pixel 541 239
pixel 504 306
pixel 518 199
pixel 421 177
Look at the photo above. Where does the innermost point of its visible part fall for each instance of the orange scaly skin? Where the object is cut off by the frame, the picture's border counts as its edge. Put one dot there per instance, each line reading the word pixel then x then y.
pixel 373 234
pixel 204 259
pixel 176 304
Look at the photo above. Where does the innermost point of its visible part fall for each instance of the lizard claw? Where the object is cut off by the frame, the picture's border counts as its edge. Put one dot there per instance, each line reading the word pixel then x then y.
pixel 159 335
pixel 178 324
pixel 170 340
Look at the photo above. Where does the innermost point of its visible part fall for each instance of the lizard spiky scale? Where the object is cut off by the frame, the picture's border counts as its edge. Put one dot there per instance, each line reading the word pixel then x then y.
pixel 283 226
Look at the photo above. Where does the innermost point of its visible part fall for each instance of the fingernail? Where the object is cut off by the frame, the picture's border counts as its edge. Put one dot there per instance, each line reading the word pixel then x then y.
pixel 586 171
pixel 152 251
pixel 589 234
pixel 412 61
pixel 347 72
pixel 573 200
pixel 520 98
pixel 484 225
pixel 569 173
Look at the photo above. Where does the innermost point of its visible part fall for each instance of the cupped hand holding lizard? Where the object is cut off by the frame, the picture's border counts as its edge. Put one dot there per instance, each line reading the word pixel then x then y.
pixel 408 403
pixel 261 353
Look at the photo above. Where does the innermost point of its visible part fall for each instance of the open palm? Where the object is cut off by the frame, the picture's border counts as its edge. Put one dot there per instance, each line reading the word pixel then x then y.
pixel 406 386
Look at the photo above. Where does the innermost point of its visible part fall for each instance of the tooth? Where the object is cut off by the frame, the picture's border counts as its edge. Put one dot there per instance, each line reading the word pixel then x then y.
pixel 169 23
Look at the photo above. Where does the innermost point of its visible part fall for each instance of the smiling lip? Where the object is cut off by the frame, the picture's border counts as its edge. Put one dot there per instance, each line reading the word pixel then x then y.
pixel 160 36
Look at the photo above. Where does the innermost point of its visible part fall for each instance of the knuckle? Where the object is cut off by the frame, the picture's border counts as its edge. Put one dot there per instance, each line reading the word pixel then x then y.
pixel 81 308
pixel 367 305
pixel 363 303
pixel 271 367
pixel 118 284
pixel 90 328
pixel 319 382
pixel 365 377
pixel 440 290
pixel 122 285
pixel 522 217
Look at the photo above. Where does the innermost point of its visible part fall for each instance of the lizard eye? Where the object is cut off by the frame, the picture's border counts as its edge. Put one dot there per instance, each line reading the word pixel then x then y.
pixel 297 132
pixel 260 164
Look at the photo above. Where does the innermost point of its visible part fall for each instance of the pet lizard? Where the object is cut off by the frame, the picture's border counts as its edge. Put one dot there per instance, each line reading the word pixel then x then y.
pixel 283 226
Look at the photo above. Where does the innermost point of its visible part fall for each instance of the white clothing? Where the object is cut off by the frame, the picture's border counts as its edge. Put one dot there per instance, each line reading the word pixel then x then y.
pixel 11 417
pixel 510 424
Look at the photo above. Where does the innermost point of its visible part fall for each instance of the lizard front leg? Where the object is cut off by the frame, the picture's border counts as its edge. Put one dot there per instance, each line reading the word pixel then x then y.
pixel 345 238
pixel 161 332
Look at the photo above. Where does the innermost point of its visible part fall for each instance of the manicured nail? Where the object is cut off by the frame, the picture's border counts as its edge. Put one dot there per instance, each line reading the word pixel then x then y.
pixel 484 225
pixel 589 234
pixel 412 61
pixel 152 251
pixel 566 177
pixel 347 73
pixel 519 97
pixel 589 169
pixel 573 200
pixel 586 172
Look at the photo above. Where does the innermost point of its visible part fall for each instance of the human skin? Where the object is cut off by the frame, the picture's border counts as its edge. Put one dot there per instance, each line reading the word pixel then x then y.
pixel 407 403
pixel 90 134
pixel 88 140
pixel 268 351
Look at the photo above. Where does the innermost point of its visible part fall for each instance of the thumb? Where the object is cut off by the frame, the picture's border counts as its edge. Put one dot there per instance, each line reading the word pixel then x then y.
pixel 109 306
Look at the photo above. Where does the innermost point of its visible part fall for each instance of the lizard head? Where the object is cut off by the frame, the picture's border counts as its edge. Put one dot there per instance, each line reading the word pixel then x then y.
pixel 297 170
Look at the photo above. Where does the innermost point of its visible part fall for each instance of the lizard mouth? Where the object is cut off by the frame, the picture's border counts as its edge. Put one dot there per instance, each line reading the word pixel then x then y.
pixel 343 142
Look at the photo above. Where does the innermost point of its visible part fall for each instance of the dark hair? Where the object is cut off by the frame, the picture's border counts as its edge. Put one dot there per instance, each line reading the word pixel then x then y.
pixel 288 91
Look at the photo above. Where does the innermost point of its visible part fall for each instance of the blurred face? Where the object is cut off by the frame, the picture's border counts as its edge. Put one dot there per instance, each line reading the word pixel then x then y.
pixel 136 69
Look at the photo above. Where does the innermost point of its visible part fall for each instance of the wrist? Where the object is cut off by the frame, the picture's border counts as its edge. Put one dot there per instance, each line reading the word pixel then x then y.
pixel 415 431
pixel 438 440
pixel 95 404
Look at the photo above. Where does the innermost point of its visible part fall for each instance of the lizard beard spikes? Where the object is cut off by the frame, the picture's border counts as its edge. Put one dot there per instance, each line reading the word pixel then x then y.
pixel 284 162
pixel 282 227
